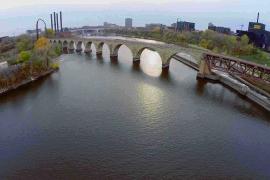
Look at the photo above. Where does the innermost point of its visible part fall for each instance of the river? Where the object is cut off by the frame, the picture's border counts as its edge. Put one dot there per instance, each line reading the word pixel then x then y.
pixel 97 119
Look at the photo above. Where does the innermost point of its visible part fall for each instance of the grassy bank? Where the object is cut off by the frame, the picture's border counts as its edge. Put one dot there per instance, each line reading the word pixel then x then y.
pixel 28 60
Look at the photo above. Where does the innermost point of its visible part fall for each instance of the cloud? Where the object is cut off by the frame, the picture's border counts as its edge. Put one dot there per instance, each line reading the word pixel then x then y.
pixel 20 3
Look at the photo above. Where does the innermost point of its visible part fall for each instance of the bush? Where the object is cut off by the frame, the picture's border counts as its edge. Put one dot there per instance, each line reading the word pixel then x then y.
pixel 42 44
pixel 24 43
pixel 54 66
pixel 24 56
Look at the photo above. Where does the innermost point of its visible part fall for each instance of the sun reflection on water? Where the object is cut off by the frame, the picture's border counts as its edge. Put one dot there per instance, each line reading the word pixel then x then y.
pixel 151 101
pixel 151 63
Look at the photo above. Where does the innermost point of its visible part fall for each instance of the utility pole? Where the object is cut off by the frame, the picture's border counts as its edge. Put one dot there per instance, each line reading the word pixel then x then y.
pixel 176 26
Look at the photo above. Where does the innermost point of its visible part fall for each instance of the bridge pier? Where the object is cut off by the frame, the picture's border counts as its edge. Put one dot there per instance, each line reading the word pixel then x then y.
pixel 165 67
pixel 204 70
pixel 114 57
pixel 99 53
pixel 71 50
pixel 88 51
pixel 78 50
pixel 65 50
pixel 136 60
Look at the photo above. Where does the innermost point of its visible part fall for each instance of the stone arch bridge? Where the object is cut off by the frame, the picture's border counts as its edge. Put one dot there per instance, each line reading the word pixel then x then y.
pixel 166 51
pixel 209 61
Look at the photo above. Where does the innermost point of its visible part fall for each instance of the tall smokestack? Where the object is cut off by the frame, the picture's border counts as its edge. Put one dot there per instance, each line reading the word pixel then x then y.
pixel 61 21
pixel 54 17
pixel 57 23
pixel 258 17
pixel 51 21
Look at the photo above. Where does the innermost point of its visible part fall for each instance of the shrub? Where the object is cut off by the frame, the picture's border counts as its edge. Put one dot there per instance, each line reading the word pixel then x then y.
pixel 24 43
pixel 54 66
pixel 24 56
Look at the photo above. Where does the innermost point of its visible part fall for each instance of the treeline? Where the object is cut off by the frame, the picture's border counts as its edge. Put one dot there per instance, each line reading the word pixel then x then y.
pixel 216 42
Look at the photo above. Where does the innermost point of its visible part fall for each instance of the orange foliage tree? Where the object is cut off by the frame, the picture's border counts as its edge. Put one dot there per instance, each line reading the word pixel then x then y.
pixel 42 44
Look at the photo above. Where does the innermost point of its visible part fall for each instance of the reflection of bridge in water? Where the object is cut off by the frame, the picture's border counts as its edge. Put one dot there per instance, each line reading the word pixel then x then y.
pixel 166 52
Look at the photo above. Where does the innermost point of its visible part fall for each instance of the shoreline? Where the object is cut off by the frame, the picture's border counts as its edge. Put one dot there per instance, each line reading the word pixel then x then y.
pixel 26 82
pixel 237 84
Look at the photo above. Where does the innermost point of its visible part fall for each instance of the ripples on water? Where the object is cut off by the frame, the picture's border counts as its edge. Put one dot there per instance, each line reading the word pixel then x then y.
pixel 97 119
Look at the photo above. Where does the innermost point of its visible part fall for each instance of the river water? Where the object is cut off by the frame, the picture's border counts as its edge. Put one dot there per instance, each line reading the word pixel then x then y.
pixel 97 119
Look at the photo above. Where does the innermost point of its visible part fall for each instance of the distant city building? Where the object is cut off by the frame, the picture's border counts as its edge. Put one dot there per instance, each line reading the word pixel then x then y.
pixel 140 28
pixel 128 23
pixel 110 25
pixel 153 26
pixel 4 39
pixel 219 29
pixel 173 25
pixel 33 32
pixel 257 34
pixel 185 26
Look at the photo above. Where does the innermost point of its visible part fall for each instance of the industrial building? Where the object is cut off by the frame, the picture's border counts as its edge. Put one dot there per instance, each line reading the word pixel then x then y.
pixel 185 26
pixel 257 34
pixel 219 29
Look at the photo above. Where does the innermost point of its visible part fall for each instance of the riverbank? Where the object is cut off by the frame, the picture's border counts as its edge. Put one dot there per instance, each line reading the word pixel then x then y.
pixel 26 82
pixel 236 83
pixel 251 92
pixel 208 40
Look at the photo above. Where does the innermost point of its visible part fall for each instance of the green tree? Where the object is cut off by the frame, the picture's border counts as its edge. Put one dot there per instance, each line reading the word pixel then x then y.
pixel 24 43
pixel 24 56
pixel 50 33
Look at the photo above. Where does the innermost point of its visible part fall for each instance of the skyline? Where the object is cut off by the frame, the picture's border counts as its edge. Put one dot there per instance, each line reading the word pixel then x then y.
pixel 18 16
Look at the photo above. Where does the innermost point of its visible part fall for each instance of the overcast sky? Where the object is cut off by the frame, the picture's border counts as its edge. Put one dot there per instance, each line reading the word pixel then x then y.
pixel 18 15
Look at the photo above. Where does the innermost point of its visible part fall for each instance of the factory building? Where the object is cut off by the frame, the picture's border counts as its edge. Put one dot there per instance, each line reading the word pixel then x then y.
pixel 185 26
pixel 219 29
pixel 257 34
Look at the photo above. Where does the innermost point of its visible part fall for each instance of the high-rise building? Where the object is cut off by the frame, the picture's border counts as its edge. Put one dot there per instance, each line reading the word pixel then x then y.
pixel 128 23
pixel 185 26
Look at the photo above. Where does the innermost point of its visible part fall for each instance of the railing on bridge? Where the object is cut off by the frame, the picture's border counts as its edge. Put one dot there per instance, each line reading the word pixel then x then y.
pixel 237 66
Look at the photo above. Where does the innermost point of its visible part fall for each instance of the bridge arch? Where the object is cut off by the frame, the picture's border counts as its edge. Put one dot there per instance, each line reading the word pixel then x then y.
pixel 137 52
pixel 79 46
pixel 65 46
pixel 88 47
pixel 100 46
pixel 71 45
pixel 116 49
pixel 54 43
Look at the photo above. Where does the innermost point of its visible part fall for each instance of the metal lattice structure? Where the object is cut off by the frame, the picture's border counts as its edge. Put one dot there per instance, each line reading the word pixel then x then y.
pixel 236 66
